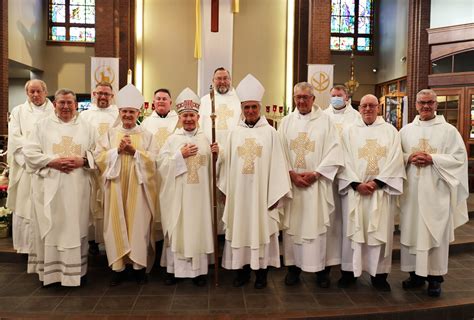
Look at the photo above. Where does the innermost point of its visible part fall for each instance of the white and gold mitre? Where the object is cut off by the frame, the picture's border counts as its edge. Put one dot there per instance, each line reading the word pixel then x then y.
pixel 250 89
pixel 129 97
pixel 187 100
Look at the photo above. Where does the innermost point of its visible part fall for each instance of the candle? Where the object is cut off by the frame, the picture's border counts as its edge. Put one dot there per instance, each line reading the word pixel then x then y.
pixel 280 109
pixel 274 108
pixel 268 109
pixel 129 76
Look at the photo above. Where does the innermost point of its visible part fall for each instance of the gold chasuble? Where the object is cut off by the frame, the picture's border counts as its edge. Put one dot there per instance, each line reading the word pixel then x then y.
pixel 129 197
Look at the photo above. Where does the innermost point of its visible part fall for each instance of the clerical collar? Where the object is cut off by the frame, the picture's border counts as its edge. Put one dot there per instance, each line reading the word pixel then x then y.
pixel 305 116
pixel 190 133
pixel 251 125
pixel 340 110
pixel 162 116
pixel 428 122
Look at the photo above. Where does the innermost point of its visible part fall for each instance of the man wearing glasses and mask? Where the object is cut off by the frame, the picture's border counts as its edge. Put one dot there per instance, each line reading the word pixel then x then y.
pixel 369 185
pixel 434 201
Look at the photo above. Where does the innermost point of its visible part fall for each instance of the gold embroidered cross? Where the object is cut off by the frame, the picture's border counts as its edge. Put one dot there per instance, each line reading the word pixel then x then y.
pixel 423 146
pixel 103 127
pixel 249 151
pixel 301 146
pixel 161 135
pixel 223 113
pixel 372 152
pixel 193 164
pixel 339 128
pixel 67 148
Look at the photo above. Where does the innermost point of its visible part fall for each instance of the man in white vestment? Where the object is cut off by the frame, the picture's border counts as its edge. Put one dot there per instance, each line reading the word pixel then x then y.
pixel 58 152
pixel 370 184
pixel 125 156
pixel 20 127
pixel 343 116
pixel 436 190
pixel 185 161
pixel 161 124
pixel 101 115
pixel 314 157
pixel 254 178
pixel 228 114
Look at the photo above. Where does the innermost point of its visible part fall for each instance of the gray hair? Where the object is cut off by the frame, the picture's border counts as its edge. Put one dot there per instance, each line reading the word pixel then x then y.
pixel 426 92
pixel 304 86
pixel 63 92
pixel 340 87
pixel 41 82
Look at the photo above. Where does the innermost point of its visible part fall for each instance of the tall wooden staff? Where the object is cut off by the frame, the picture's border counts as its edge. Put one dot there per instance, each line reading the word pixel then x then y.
pixel 214 189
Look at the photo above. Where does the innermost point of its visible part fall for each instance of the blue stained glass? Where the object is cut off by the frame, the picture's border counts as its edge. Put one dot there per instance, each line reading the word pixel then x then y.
pixel 58 33
pixel 342 43
pixel 58 13
pixel 347 7
pixel 59 1
pixel 90 34
pixel 364 25
pixel 336 7
pixel 347 25
pixel 77 34
pixel 335 24
pixel 363 44
pixel 365 8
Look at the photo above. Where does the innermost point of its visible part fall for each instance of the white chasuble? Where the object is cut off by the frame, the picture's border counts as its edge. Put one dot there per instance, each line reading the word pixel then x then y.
pixel 371 152
pixel 185 198
pixel 60 200
pixel 20 127
pixel 434 202
pixel 227 115
pixel 102 119
pixel 344 118
pixel 312 145
pixel 130 192
pixel 254 177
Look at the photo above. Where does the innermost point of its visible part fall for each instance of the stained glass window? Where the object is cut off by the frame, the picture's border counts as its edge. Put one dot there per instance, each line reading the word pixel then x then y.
pixel 72 21
pixel 352 24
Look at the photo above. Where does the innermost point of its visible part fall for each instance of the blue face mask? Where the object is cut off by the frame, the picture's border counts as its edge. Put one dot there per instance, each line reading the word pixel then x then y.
pixel 337 102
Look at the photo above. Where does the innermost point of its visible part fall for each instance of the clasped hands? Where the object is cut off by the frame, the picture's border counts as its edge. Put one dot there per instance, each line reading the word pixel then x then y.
pixel 125 146
pixel 189 149
pixel 304 179
pixel 420 159
pixel 367 188
pixel 66 164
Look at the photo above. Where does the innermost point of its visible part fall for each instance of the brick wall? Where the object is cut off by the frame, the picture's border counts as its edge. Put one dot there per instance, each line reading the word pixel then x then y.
pixel 319 32
pixel 418 56
pixel 3 67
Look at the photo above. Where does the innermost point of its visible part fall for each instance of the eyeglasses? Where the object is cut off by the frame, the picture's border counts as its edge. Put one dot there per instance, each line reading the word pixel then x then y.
pixel 105 94
pixel 64 103
pixel 368 106
pixel 305 98
pixel 424 103
pixel 253 107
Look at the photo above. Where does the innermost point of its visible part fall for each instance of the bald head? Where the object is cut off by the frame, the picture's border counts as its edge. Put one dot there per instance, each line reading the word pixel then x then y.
pixel 369 108
pixel 36 91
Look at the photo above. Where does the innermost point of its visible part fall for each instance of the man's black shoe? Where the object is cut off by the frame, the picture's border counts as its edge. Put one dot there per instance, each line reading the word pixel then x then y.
pixel 170 279
pixel 140 276
pixel 293 276
pixel 243 276
pixel 93 248
pixel 200 281
pixel 322 279
pixel 261 280
pixel 434 288
pixel 413 282
pixel 117 278
pixel 380 282
pixel 346 280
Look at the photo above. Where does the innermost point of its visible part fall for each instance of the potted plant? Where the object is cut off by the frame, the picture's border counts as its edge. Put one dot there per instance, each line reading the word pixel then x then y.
pixel 5 222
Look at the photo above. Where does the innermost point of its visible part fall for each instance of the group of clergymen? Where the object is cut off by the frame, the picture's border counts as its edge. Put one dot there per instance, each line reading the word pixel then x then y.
pixel 331 180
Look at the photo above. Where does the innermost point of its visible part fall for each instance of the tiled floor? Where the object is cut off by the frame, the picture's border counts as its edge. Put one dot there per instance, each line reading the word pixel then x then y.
pixel 21 294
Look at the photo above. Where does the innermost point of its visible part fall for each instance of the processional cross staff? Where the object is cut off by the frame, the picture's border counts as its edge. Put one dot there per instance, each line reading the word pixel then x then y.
pixel 214 189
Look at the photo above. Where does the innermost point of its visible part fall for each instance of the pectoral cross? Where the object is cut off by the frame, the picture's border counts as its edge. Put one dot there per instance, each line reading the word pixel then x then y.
pixel 372 152
pixel 301 146
pixel 249 151
pixel 193 164
pixel 423 146
pixel 161 135
pixel 67 148
pixel 103 127
pixel 223 113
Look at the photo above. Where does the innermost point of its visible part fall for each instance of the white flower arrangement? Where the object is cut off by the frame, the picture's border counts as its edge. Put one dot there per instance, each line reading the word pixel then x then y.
pixel 5 215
